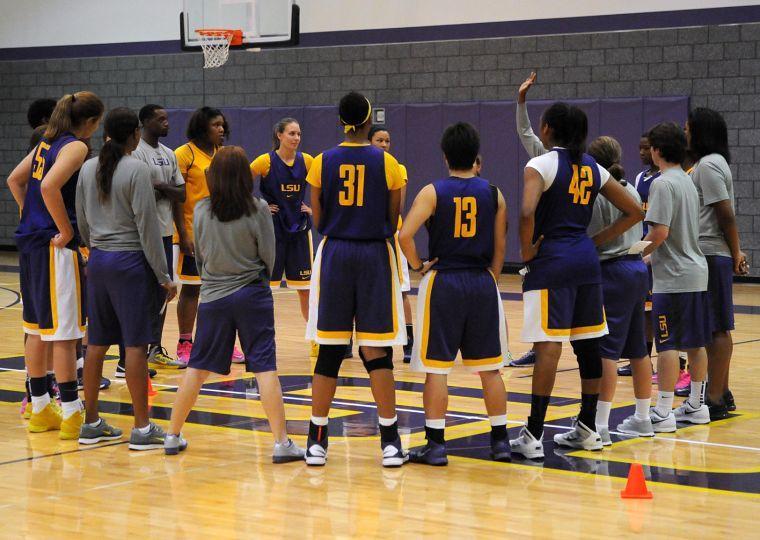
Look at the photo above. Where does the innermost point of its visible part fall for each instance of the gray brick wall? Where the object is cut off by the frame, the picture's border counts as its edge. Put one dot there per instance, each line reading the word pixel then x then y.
pixel 718 66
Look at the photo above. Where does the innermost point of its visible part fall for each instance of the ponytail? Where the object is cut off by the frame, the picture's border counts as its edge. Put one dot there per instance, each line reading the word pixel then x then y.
pixel 569 127
pixel 71 111
pixel 617 171
pixel 120 124
pixel 608 153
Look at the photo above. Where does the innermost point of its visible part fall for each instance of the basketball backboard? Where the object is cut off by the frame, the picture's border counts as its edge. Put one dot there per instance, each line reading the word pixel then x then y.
pixel 265 23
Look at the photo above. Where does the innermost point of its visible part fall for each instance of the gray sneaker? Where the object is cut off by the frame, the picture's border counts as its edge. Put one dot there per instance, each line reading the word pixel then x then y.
pixel 604 433
pixel 174 444
pixel 287 452
pixel 636 427
pixel 152 440
pixel 89 434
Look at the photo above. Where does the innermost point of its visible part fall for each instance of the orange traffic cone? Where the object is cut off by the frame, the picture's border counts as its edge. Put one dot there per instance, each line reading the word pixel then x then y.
pixel 636 487
pixel 151 392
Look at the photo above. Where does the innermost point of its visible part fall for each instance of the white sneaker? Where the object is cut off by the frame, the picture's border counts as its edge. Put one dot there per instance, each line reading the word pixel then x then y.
pixel 580 437
pixel 687 413
pixel 604 434
pixel 316 454
pixel 394 454
pixel 662 424
pixel 636 427
pixel 527 445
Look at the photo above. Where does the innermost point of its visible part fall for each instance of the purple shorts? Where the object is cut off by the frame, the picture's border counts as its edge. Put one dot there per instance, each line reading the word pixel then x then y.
pixel 681 321
pixel 249 313
pixel 625 283
pixel 720 284
pixel 122 299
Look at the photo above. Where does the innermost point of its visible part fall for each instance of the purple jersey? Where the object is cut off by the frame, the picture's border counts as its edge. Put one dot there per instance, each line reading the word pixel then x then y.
pixel 285 186
pixel 37 228
pixel 642 184
pixel 461 231
pixel 567 256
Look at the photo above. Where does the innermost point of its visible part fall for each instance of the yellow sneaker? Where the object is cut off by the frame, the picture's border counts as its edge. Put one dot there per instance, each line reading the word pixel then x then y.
pixel 48 419
pixel 159 358
pixel 314 352
pixel 71 426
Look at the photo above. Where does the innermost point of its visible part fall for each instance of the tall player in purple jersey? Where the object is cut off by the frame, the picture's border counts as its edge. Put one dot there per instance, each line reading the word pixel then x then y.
pixel 356 195
pixel 459 307
pixel 562 293
pixel 44 186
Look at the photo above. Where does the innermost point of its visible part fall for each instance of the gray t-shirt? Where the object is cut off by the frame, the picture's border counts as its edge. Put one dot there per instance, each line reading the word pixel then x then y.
pixel 126 220
pixel 712 176
pixel 604 214
pixel 678 265
pixel 529 140
pixel 163 170
pixel 232 254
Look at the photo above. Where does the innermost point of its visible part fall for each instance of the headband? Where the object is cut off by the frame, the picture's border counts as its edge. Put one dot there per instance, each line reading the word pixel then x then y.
pixel 352 127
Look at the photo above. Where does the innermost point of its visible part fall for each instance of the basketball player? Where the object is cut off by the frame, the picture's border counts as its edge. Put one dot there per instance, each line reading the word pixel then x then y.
pixel 381 138
pixel 283 186
pixel 116 212
pixel 681 307
pixel 205 132
pixel 235 247
pixel 707 135
pixel 459 306
pixel 44 185
pixel 356 196
pixel 562 292
pixel 534 147
pixel 625 283
pixel 169 186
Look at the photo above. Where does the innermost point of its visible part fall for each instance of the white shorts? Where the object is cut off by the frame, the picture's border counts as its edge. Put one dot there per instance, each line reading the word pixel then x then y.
pixel 403 267
pixel 563 314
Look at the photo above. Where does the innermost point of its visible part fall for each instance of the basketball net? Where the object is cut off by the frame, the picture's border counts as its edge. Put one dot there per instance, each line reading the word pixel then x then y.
pixel 216 45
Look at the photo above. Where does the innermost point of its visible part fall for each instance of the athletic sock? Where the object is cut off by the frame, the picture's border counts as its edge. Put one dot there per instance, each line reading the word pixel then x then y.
pixel 642 408
pixel 603 409
pixel 318 429
pixel 50 383
pixel 498 427
pixel 409 336
pixel 40 396
pixel 28 390
pixel 434 430
pixel 388 429
pixel 96 423
pixel 538 406
pixel 696 394
pixel 80 362
pixel 682 362
pixel 588 410
pixel 70 402
pixel 144 430
pixel 664 403
pixel 186 337
pixel 650 346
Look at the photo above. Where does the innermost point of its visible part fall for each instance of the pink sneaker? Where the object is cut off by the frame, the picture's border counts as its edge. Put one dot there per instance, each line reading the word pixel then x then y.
pixel 684 381
pixel 237 356
pixel 184 348
pixel 655 380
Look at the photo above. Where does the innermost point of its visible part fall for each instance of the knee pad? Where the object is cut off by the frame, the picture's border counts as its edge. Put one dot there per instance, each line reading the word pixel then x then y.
pixel 589 358
pixel 329 360
pixel 384 362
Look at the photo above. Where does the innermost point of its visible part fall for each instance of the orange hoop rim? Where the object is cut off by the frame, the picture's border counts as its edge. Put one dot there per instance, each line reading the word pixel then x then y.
pixel 235 37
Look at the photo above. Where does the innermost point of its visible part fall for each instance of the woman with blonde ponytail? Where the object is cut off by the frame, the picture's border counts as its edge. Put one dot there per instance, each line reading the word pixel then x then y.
pixel 44 186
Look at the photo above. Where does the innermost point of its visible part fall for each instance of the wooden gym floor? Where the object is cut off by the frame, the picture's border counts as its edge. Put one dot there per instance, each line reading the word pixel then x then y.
pixel 705 479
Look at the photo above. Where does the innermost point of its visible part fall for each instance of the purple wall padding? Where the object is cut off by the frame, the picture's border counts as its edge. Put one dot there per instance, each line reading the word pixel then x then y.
pixel 416 131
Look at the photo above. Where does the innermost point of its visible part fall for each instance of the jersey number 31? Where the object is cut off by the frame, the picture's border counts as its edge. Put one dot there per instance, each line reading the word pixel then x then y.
pixel 579 185
pixel 352 192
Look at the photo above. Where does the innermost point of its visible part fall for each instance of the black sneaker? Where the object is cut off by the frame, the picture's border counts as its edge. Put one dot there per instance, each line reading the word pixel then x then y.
pixel 528 359
pixel 718 411
pixel 432 453
pixel 625 371
pixel 316 452
pixel 121 372
pixel 728 399
pixel 394 454
pixel 500 449
pixel 407 354
pixel 104 383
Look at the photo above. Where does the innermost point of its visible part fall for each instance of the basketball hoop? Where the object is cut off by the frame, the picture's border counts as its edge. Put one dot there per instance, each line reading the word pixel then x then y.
pixel 216 42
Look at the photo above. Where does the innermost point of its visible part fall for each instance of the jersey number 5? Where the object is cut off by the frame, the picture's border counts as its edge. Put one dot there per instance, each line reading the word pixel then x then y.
pixel 580 184
pixel 352 193
pixel 466 210
pixel 38 167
